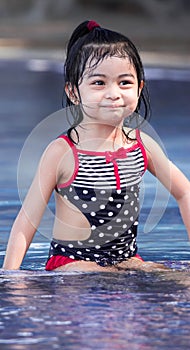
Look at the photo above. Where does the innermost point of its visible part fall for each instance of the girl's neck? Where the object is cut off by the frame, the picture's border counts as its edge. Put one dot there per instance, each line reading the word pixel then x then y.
pixel 100 137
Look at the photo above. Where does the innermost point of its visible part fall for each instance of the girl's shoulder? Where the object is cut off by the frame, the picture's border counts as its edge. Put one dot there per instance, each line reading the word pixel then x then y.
pixel 56 150
pixel 60 144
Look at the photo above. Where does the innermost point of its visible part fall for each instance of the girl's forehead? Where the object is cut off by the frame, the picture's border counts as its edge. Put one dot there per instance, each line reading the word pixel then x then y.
pixel 120 63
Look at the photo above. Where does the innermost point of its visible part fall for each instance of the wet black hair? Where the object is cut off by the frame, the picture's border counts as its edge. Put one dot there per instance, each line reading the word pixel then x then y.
pixel 91 43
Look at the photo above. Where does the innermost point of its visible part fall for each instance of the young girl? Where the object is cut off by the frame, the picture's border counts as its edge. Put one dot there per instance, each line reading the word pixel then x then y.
pixel 96 169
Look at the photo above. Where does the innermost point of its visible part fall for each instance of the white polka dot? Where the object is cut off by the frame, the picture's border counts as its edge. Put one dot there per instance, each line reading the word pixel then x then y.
pixel 126 212
pixel 97 247
pixel 80 243
pixel 126 244
pixel 76 198
pixel 55 245
pixel 131 218
pixel 63 250
pixel 90 241
pixel 70 189
pixel 96 255
pixel 102 206
pixel 65 196
pixel 126 255
pixel 101 221
pixel 87 250
pixel 107 241
pixel 118 191
pixel 118 205
pixel 79 253
pixel 85 191
pixel 109 227
pixel 129 231
pixel 84 205
pixel 120 251
pixel 102 191
pixel 101 234
pixel 132 188
pixel 122 240
pixel 124 225
pixel 116 234
pixel 110 199
pixel 135 223
pixel 71 256
pixel 113 246
pixel 126 197
pixel 118 220
pixel 110 213
pixel 93 213
pixel 87 259
pixel 70 245
pixel 93 199
pixel 93 227
pixel 132 203
pixel 136 208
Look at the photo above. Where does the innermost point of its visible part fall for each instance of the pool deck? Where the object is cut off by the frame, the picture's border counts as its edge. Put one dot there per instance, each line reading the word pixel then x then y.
pixel 161 41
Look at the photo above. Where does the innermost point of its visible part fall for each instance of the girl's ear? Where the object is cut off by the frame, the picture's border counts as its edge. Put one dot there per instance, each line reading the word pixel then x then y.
pixel 140 87
pixel 72 94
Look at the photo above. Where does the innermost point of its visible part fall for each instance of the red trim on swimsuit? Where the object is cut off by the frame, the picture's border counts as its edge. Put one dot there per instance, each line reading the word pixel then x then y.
pixel 59 260
pixel 116 172
pixel 138 257
pixel 74 150
pixel 140 143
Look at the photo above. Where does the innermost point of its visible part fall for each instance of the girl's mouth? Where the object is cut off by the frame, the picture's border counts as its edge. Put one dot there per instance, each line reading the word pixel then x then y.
pixel 113 106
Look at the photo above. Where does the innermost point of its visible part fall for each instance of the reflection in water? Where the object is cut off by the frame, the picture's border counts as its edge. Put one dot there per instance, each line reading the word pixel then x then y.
pixel 89 311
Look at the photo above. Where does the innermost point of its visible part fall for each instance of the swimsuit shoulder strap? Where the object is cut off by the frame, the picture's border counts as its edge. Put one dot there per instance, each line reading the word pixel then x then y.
pixel 67 139
pixel 76 165
pixel 140 143
pixel 138 136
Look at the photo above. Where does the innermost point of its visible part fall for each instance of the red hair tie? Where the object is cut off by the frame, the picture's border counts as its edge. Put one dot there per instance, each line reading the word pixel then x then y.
pixel 92 24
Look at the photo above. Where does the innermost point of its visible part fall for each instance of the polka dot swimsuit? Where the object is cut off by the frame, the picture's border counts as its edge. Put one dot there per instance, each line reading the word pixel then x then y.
pixel 105 188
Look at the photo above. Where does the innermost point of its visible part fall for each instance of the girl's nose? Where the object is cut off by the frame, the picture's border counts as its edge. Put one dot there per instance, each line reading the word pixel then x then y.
pixel 112 92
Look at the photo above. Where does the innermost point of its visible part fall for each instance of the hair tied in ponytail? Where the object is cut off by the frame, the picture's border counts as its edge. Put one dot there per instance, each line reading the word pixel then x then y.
pixel 91 25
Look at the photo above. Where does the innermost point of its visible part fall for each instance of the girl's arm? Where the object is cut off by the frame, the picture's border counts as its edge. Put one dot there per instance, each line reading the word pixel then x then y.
pixel 29 217
pixel 170 176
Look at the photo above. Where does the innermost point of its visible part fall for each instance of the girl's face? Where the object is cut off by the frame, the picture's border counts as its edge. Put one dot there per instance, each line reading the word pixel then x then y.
pixel 109 92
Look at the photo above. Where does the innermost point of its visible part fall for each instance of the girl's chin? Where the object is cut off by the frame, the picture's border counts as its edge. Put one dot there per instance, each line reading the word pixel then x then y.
pixel 112 117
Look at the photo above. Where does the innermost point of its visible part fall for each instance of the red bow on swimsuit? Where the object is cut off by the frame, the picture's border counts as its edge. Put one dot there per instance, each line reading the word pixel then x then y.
pixel 119 154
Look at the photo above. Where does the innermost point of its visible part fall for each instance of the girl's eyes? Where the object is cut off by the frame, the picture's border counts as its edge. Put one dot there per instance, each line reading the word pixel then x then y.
pixel 121 83
pixel 125 82
pixel 98 82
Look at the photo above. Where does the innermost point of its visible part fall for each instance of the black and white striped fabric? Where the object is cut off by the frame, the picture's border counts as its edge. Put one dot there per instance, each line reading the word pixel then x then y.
pixel 98 171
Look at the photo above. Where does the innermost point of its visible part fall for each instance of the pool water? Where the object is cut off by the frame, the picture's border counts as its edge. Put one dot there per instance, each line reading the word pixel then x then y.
pixel 125 310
